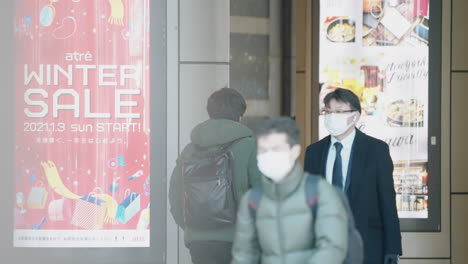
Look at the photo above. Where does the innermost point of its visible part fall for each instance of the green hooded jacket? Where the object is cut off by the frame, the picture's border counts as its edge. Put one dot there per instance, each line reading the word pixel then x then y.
pixel 284 229
pixel 211 133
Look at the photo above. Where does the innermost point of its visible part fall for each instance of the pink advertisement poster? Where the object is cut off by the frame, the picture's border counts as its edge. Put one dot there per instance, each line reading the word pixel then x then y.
pixel 82 123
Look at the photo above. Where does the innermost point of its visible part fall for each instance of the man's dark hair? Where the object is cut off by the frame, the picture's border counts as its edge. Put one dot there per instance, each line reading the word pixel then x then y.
pixel 226 103
pixel 344 96
pixel 280 125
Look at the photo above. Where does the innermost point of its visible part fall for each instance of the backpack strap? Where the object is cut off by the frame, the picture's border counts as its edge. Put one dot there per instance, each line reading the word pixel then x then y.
pixel 312 192
pixel 312 197
pixel 253 201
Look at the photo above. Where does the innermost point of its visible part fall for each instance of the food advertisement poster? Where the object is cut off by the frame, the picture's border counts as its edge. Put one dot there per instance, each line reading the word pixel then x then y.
pixel 379 50
pixel 82 123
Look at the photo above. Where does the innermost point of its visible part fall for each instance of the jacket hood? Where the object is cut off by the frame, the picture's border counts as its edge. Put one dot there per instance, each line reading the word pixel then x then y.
pixel 218 131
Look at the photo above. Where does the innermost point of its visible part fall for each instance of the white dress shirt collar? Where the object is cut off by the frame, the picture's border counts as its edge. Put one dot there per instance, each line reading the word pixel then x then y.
pixel 347 142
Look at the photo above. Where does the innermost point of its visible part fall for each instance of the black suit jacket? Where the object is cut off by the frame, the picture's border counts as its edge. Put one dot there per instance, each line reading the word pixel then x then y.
pixel 369 187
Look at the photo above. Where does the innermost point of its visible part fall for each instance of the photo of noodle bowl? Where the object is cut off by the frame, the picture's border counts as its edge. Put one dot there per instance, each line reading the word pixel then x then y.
pixel 405 113
pixel 341 30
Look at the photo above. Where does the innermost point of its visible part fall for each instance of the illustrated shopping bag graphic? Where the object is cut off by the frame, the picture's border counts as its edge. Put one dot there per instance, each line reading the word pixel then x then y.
pixel 128 208
pixel 59 209
pixel 37 196
pixel 89 213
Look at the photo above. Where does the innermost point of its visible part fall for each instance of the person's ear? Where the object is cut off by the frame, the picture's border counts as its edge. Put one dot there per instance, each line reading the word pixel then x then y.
pixel 296 151
pixel 357 116
pixel 354 118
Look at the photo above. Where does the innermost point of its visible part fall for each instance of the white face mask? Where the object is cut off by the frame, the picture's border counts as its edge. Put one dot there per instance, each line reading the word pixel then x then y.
pixel 275 165
pixel 337 124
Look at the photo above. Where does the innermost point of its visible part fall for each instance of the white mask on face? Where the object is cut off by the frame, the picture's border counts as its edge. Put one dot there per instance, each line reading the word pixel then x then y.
pixel 337 124
pixel 275 165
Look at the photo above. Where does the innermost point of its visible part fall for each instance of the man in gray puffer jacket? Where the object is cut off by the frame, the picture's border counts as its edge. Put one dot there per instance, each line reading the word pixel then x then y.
pixel 282 228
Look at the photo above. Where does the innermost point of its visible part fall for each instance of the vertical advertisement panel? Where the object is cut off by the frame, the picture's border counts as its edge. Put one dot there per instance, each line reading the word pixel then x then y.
pixel 379 49
pixel 82 123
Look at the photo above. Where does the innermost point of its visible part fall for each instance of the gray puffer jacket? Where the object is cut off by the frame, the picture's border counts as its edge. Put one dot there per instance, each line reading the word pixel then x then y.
pixel 284 230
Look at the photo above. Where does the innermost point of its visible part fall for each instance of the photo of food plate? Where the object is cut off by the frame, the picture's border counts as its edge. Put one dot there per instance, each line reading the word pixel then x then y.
pixel 405 113
pixel 341 30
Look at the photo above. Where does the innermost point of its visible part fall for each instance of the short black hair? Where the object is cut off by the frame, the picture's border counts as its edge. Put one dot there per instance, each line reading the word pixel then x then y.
pixel 281 124
pixel 226 103
pixel 344 96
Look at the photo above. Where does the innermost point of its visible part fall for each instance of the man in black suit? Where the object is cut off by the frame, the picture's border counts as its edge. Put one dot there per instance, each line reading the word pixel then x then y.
pixel 360 166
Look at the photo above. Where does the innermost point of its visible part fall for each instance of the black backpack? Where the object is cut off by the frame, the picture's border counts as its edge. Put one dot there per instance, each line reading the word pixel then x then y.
pixel 208 193
pixel 355 254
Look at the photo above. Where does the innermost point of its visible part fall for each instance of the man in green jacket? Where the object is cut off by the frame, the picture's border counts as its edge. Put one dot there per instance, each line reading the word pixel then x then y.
pixel 225 108
pixel 282 228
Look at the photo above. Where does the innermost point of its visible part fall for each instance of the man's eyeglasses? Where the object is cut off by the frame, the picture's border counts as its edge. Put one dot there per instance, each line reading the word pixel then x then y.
pixel 327 112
